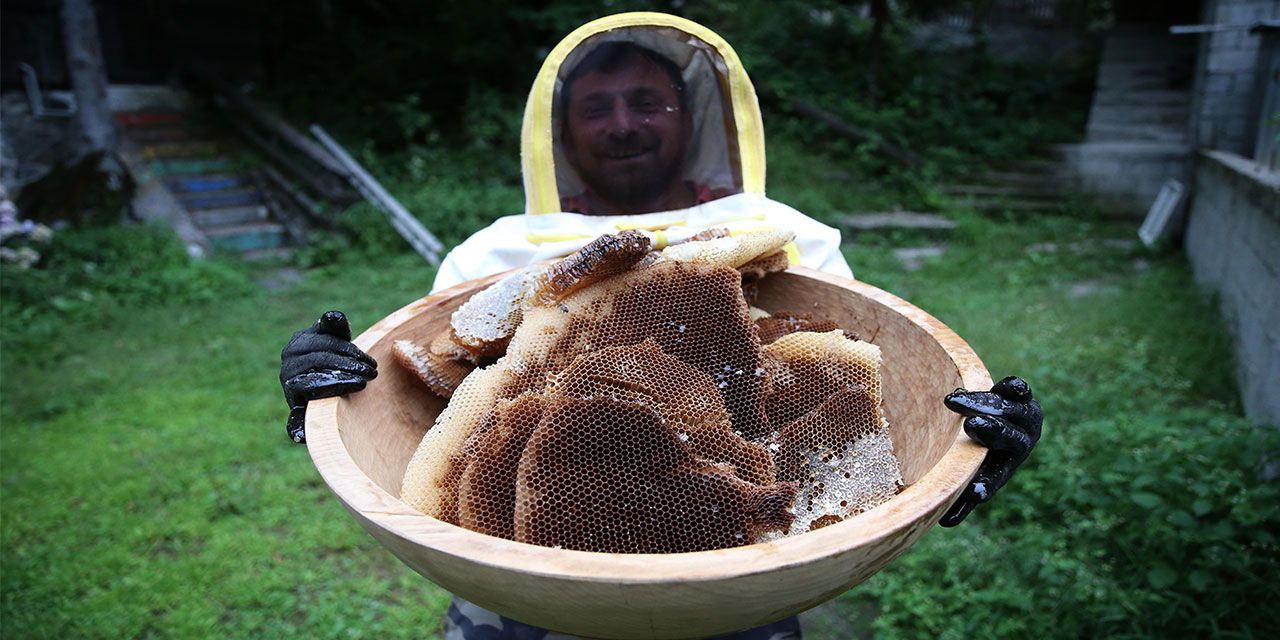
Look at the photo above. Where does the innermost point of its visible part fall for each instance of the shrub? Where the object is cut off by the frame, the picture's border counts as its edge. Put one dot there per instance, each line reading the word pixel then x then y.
pixel 88 275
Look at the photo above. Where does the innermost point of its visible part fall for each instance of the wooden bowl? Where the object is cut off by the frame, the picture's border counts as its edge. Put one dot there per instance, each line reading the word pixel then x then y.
pixel 362 443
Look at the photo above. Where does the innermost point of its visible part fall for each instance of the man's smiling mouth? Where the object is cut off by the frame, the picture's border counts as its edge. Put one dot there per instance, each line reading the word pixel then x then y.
pixel 624 155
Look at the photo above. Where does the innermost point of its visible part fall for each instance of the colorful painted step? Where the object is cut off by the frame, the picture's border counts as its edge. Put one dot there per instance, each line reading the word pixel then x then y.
pixel 211 182
pixel 158 134
pixel 219 199
pixel 246 237
pixel 180 150
pixel 147 118
pixel 175 167
pixel 229 216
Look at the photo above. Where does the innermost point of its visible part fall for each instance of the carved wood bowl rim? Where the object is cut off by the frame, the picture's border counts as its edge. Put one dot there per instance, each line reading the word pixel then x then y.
pixel 921 504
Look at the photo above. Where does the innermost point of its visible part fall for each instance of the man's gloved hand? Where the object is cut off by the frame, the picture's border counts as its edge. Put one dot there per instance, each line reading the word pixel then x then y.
pixel 1005 420
pixel 321 362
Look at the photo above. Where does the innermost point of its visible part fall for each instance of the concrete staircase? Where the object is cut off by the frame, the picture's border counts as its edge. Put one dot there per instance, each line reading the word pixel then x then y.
pixel 206 184
pixel 1033 186
pixel 1137 134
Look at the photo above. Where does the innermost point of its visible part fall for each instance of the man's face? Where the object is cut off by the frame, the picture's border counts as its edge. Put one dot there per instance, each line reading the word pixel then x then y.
pixel 625 132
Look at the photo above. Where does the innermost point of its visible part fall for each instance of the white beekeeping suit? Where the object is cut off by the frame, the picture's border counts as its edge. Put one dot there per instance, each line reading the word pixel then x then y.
pixel 726 155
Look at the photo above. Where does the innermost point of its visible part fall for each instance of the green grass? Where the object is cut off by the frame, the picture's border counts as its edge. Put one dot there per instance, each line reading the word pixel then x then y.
pixel 148 489
pixel 1141 513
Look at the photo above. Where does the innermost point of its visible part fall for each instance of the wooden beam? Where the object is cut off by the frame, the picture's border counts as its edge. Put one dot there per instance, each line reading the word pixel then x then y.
pixel 410 228
pixel 323 183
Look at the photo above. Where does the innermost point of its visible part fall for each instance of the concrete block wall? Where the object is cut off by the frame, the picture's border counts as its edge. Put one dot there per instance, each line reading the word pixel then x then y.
pixel 1233 241
pixel 1223 103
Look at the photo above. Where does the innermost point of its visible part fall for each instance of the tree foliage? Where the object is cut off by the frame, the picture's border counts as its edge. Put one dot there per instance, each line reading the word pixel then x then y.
pixel 400 74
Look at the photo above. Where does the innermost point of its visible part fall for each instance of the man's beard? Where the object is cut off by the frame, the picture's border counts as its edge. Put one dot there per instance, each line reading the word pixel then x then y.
pixel 636 186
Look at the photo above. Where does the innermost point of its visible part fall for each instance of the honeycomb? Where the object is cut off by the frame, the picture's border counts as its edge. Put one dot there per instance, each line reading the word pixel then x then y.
pixel 636 408
pixel 776 325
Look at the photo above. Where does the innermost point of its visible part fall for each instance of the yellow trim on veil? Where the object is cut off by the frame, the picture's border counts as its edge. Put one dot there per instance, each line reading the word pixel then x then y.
pixel 537 152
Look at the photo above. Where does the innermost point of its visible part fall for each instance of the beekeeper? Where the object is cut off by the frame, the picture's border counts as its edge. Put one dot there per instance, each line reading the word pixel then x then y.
pixel 641 121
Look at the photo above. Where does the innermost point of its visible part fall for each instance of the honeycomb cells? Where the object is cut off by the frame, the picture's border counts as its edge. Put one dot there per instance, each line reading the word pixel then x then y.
pixel 486 496
pixel 693 312
pixel 485 323
pixel 685 398
pixel 806 368
pixel 639 409
pixel 780 324
pixel 605 475
pixel 441 374
pixel 734 251
pixel 600 259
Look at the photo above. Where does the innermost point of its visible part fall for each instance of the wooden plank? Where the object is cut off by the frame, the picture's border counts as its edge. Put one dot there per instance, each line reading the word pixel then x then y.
pixel 409 227
pixel 323 183
pixel 294 222
pixel 275 180
pixel 277 127
pixel 1161 217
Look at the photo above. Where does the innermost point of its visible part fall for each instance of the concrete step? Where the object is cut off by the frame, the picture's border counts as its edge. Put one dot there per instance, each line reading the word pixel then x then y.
pixel 1151 98
pixel 1145 49
pixel 1041 166
pixel 1042 181
pixel 1075 154
pixel 1138 113
pixel 897 220
pixel 1015 191
pixel 1145 83
pixel 914 258
pixel 1146 59
pixel 219 199
pixel 208 218
pixel 1001 205
pixel 246 237
pixel 1121 75
pixel 1157 38
pixel 1102 132
pixel 1173 67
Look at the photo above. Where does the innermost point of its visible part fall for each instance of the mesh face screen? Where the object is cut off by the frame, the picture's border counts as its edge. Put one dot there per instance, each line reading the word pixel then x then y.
pixel 637 410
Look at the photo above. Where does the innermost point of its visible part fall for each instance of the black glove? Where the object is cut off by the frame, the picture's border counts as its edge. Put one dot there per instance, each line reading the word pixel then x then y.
pixel 321 362
pixel 1005 420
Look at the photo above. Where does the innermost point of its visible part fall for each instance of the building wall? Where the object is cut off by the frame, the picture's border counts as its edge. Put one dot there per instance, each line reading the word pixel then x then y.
pixel 1233 241
pixel 1223 105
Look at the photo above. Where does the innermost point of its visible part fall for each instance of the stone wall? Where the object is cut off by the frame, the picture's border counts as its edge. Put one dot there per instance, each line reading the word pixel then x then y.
pixel 1233 240
pixel 1223 105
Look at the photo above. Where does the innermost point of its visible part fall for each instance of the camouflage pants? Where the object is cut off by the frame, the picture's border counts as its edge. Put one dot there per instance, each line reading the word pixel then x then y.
pixel 466 621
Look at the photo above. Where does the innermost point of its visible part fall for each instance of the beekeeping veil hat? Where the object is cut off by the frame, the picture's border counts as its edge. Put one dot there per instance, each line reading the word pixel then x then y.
pixel 726 155
pixel 726 151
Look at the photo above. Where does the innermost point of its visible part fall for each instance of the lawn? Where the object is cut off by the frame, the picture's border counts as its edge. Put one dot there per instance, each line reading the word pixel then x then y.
pixel 148 489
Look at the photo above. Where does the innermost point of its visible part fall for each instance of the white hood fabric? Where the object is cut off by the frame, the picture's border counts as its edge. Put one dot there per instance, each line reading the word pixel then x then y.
pixel 542 233
pixel 516 241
